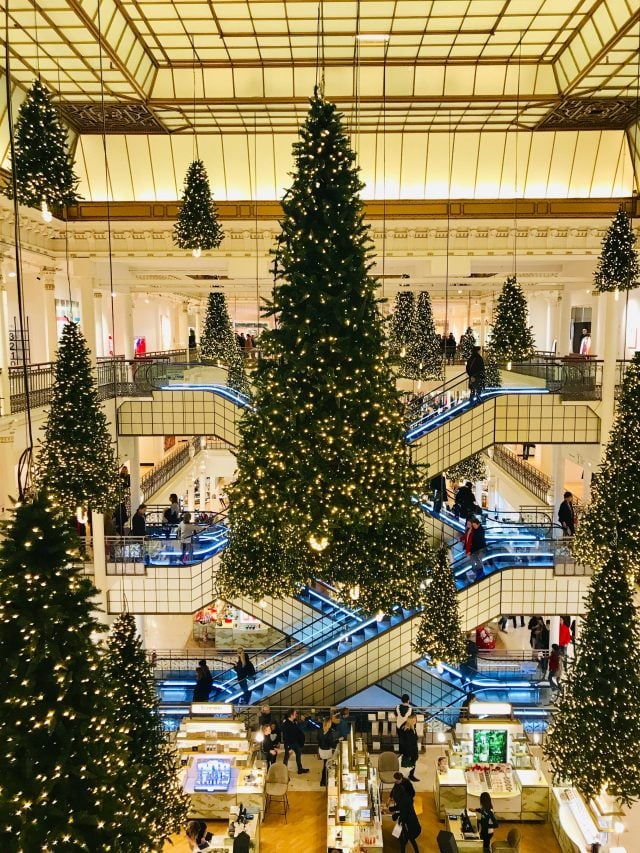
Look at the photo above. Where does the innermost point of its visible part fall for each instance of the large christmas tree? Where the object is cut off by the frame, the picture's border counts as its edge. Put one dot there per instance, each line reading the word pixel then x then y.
pixel 66 782
pixel 511 337
pixel 324 481
pixel 198 226
pixel 618 267
pixel 217 340
pixel 424 354
pixel 440 635
pixel 158 792
pixel 594 738
pixel 401 328
pixel 43 168
pixel 611 521
pixel 76 460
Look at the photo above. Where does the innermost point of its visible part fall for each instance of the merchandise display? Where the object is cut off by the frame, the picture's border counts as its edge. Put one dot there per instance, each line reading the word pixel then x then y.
pixel 214 774
pixel 579 824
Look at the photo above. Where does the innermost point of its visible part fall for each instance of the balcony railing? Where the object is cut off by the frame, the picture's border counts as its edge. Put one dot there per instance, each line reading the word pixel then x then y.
pixel 531 478
pixel 169 467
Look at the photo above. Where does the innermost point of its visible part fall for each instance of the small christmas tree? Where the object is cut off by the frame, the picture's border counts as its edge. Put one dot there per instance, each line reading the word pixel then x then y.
pixel 43 167
pixel 618 267
pixel 158 792
pixel 611 521
pixel 324 481
pixel 472 468
pixel 466 344
pixel 76 460
pixel 66 781
pixel 424 353
pixel 492 377
pixel 594 737
pixel 217 340
pixel 198 226
pixel 511 337
pixel 401 328
pixel 440 635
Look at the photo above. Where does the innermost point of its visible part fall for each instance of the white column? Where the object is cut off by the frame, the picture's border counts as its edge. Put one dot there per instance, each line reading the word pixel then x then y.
pixel 183 327
pixel 48 275
pixel 201 485
pixel 134 473
pixel 609 354
pixel 563 328
pixel 88 315
pixel 554 633
pixel 190 495
pixel 99 562
pixel 586 484
pixel 557 477
pixel 5 390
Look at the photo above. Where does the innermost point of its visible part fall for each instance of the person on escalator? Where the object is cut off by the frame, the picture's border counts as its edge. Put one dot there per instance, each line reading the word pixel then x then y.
pixel 244 669
pixel 475 371
pixel 438 488
pixel 465 501
pixel 186 532
pixel 478 546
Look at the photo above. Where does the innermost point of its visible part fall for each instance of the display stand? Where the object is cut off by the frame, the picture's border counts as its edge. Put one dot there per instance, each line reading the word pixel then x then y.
pixel 577 824
pixel 353 800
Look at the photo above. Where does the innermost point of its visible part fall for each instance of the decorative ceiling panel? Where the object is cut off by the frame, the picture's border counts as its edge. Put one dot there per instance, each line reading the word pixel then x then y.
pixel 121 117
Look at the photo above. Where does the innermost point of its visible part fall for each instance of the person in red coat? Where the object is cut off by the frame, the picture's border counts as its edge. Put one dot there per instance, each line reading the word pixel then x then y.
pixel 565 634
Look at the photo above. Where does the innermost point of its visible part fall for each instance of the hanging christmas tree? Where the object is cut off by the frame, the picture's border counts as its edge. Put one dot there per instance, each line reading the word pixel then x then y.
pixel 157 790
pixel 198 226
pixel 618 267
pixel 440 635
pixel 43 167
pixel 466 344
pixel 401 328
pixel 424 353
pixel 594 737
pixel 66 781
pixel 472 468
pixel 76 460
pixel 324 482
pixel 511 337
pixel 613 514
pixel 218 341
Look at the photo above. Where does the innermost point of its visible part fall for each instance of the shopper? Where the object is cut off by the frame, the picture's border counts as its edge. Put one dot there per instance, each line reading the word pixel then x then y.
pixel 504 619
pixel 478 546
pixel 270 744
pixel 293 739
pixel 172 512
pixel 567 515
pixel 554 667
pixel 487 821
pixel 403 811
pixel 475 371
pixel 545 635
pixel 204 682
pixel 467 537
pixel 535 630
pixel 139 521
pixel 326 745
pixel 197 834
pixel 344 725
pixel 244 669
pixel 409 747
pixel 403 711
pixel 464 501
pixel 265 716
pixel 450 347
pixel 125 478
pixel 187 530
pixel 565 637
pixel 438 488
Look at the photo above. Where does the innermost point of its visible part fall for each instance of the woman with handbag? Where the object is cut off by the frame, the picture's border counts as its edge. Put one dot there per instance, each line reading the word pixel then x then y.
pixel 409 748
pixel 326 745
pixel 487 821
pixel 407 827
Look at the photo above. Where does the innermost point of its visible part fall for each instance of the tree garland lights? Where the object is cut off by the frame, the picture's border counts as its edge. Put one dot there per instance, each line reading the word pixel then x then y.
pixel 618 267
pixel 65 769
pixel 594 737
pixel 440 635
pixel 424 354
pixel 198 226
pixel 157 789
pixel 511 336
pixel 43 167
pixel 219 343
pixel 76 461
pixel 324 482
pixel 401 327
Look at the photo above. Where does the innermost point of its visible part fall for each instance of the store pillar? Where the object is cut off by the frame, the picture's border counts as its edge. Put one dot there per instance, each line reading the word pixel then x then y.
pixel 134 473
pixel 126 316
pixel 609 311
pixel 87 308
pixel 563 328
pixel 48 276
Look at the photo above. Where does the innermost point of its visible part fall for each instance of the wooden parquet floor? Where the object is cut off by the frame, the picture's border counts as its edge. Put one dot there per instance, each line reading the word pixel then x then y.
pixel 306 830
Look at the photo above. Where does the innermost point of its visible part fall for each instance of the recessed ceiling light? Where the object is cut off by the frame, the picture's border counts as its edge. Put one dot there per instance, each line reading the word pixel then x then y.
pixel 12 274
pixel 372 37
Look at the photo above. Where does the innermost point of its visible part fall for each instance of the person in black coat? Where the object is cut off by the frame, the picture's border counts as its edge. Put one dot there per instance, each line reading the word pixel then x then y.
pixel 270 744
pixel 326 745
pixel 244 669
pixel 139 521
pixel 204 682
pixel 404 812
pixel 475 371
pixel 478 545
pixel 438 486
pixel 451 347
pixel 567 515
pixel 465 501
pixel 408 744
pixel 293 739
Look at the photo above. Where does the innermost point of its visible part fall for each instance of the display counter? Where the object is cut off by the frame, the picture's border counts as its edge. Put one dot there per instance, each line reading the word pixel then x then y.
pixel 450 791
pixel 465 844
pixel 353 800
pixel 213 786
pixel 578 824
pixel 224 843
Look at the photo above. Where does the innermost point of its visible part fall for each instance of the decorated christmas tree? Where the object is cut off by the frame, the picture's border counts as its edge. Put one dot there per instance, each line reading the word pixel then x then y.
pixel 492 377
pixel 76 460
pixel 424 354
pixel 440 635
pixel 611 521
pixel 198 226
pixel 466 344
pixel 218 341
pixel 472 468
pixel 157 790
pixel 43 167
pixel 401 328
pixel 324 481
pixel 511 337
pixel 66 783
pixel 618 267
pixel 594 737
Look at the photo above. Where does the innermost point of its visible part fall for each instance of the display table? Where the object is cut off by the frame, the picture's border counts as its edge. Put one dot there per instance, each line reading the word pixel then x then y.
pixel 450 792
pixel 353 800
pixel 238 785
pixel 535 792
pixel 578 824
pixel 453 825
pixel 224 843
pixel 499 781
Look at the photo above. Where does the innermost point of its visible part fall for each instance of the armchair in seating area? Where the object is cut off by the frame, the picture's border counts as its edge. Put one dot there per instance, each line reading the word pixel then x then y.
pixel 276 787
pixel 510 845
pixel 388 764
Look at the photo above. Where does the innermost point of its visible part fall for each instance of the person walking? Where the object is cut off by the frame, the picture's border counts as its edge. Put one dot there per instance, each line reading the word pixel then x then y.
pixel 438 488
pixel 565 636
pixel 326 745
pixel 478 546
pixel 344 725
pixel 451 347
pixel 403 711
pixel 487 821
pixel 567 515
pixel 186 531
pixel 409 747
pixel 204 682
pixel 475 371
pixel 404 812
pixel 465 501
pixel 293 739
pixel 554 667
pixel 244 669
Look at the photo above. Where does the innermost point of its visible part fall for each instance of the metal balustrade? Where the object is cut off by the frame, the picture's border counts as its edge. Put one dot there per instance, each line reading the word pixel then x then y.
pixel 169 467
pixel 531 478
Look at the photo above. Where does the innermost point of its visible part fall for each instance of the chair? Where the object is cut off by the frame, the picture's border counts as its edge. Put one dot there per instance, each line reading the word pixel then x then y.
pixel 388 764
pixel 510 845
pixel 276 787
